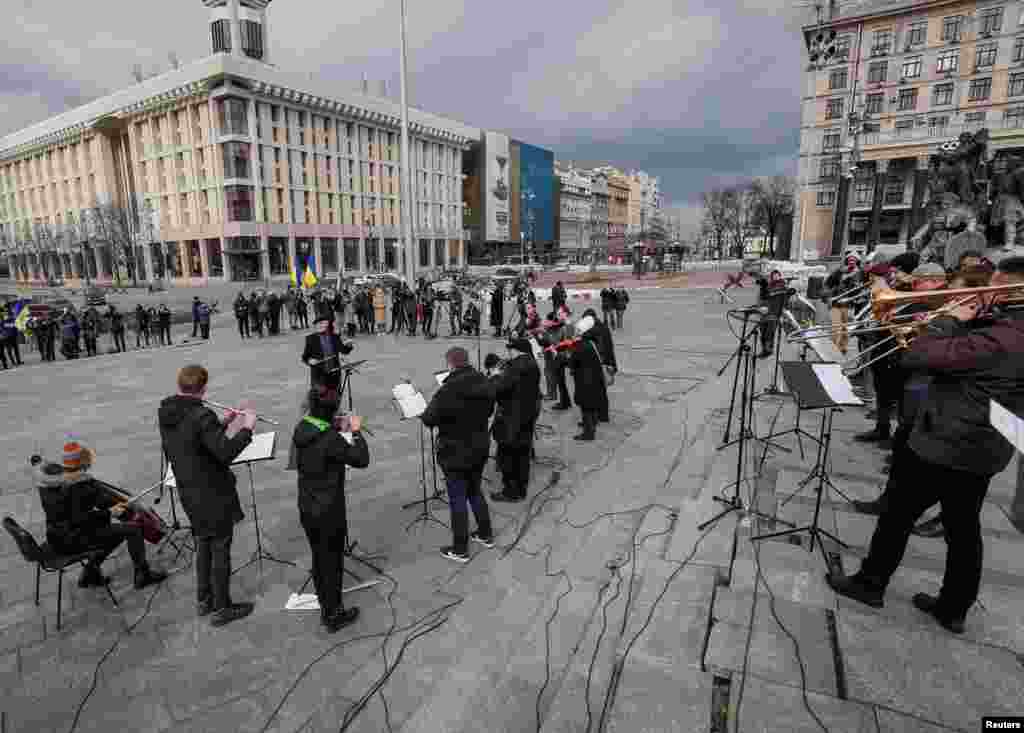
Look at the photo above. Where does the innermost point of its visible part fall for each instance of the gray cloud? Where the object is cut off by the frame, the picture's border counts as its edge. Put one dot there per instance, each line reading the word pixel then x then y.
pixel 695 91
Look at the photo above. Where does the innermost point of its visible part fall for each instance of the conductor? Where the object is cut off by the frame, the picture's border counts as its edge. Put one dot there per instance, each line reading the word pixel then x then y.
pixel 322 352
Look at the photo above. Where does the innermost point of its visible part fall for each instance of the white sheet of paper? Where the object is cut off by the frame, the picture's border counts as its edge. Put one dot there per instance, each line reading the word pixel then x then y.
pixel 836 384
pixel 260 449
pixel 348 438
pixel 410 402
pixel 1009 425
pixel 440 377
pixel 169 480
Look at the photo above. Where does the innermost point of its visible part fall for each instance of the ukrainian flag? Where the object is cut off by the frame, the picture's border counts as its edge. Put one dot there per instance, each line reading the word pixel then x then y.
pixel 295 279
pixel 21 322
pixel 309 280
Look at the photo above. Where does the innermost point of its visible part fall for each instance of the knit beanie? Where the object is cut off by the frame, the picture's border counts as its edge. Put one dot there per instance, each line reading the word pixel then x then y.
pixel 73 453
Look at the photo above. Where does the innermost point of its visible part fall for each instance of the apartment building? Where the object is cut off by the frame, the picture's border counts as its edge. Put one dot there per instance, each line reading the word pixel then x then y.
pixel 887 83
pixel 228 169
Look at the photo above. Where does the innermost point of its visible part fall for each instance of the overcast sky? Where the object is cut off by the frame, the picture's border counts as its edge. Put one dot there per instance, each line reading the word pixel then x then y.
pixel 697 92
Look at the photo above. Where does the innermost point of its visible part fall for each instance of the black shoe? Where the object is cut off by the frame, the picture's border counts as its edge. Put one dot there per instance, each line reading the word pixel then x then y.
pixel 204 607
pixel 930 605
pixel 931 528
pixel 874 508
pixel 872 436
pixel 231 613
pixel 502 496
pixel 146 577
pixel 487 542
pixel 91 577
pixel 561 407
pixel 337 621
pixel 583 437
pixel 451 554
pixel 852 586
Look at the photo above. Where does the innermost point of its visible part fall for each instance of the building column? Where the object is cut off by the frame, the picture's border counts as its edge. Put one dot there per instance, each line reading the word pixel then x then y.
pixel 204 259
pixel 265 256
pixel 236 29
pixel 266 37
pixel 917 212
pixel 842 211
pixel 292 256
pixel 881 168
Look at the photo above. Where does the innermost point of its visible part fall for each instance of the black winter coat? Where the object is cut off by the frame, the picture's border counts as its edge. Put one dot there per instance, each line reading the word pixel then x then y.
pixel 460 410
pixel 74 510
pixel 314 351
pixel 517 391
pixel 602 336
pixel 321 455
pixel 498 308
pixel 591 393
pixel 201 455
pixel 971 367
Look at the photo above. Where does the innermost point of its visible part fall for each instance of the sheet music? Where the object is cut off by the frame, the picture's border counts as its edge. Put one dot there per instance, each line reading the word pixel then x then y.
pixel 1009 425
pixel 441 376
pixel 260 449
pixel 410 401
pixel 836 384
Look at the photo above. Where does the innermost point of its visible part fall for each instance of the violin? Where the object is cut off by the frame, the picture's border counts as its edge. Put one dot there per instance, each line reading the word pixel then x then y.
pixel 566 345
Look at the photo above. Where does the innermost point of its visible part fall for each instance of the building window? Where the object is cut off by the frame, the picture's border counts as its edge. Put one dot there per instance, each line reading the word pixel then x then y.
pixel 893 192
pixel 372 255
pixel 328 254
pixel 942 94
pixel 907 100
pixel 882 42
pixel 904 128
pixel 236 160
pixel 974 118
pixel 1013 117
pixel 1016 87
pixel 911 68
pixel 234 116
pixel 837 79
pixel 252 39
pixel 985 57
pixel 834 108
pixel 948 61
pixel 277 251
pixel 874 103
pixel 830 142
pixel 351 254
pixel 937 126
pixel 826 198
pixel 863 192
pixel 878 72
pixel 843 47
pixel 238 203
pixel 991 21
pixel 979 89
pixel 917 33
pixel 220 31
pixel 951 28
pixel 424 249
pixel 829 168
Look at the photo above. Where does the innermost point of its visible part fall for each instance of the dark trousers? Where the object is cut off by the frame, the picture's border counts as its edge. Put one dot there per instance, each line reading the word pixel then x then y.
pixel 463 490
pixel 960 495
pixel 108 539
pixel 13 350
pixel 50 353
pixel 90 345
pixel 618 318
pixel 3 355
pixel 327 541
pixel 119 341
pixel 563 387
pixel 609 317
pixel 550 375
pixel 257 325
pixel 213 570
pixel 204 329
pixel 590 417
pixel 195 326
pixel 768 328
pixel 165 334
pixel 428 322
pixel 397 318
pixel 140 335
pixel 888 388
pixel 514 464
pixel 243 327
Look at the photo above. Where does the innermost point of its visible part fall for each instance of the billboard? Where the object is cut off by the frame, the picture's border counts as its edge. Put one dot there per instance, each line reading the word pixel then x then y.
pixel 497 187
pixel 535 175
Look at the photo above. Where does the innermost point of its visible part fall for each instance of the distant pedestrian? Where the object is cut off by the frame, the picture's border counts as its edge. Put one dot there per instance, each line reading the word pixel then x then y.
pixel 241 308
pixel 204 321
pixel 117 328
pixel 195 316
pixel 621 301
pixel 141 326
pixel 90 331
pixel 164 314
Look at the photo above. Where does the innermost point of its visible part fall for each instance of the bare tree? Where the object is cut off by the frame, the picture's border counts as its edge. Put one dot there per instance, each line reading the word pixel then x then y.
pixel 773 201
pixel 718 210
pixel 114 227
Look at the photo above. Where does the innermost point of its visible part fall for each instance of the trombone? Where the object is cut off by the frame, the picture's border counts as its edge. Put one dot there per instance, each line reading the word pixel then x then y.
pixel 850 295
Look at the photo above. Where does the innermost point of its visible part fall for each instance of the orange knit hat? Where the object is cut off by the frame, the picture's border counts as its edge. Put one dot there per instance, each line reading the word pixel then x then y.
pixel 76 457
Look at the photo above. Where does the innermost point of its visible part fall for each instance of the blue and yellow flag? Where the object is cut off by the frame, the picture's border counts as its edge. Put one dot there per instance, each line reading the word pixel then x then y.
pixel 21 322
pixel 309 280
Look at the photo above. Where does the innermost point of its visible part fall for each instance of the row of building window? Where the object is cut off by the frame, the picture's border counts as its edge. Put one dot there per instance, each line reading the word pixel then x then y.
pixel 937 125
pixel 978 90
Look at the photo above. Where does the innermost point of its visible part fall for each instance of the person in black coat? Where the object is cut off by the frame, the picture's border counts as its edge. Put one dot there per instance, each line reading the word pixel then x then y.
pixel 621 303
pixel 498 309
pixel 241 308
pixel 321 454
pixel 195 316
pixel 516 387
pixel 78 512
pixel 608 307
pixel 200 449
pixel 602 337
pixel 558 296
pixel 322 345
pixel 591 394
pixel 117 328
pixel 164 315
pixel 460 410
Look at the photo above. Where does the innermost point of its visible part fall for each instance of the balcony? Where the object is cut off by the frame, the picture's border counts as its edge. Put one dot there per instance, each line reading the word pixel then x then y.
pixel 923 134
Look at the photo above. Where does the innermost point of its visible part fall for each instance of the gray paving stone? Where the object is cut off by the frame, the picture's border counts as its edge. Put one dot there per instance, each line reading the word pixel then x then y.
pixel 649 701
pixel 890 721
pixel 767 706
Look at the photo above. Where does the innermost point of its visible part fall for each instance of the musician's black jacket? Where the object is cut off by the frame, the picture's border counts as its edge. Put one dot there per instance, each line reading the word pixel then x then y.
pixel 321 455
pixel 201 455
pixel 314 352
pixel 460 410
pixel 591 392
pixel 602 336
pixel 75 508
pixel 517 392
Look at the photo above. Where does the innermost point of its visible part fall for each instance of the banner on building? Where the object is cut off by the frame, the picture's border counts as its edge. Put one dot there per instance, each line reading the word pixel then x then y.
pixel 497 186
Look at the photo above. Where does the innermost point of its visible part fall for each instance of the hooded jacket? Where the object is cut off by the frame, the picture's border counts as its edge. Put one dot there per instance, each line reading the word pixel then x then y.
pixel 74 505
pixel 460 410
pixel 201 455
pixel 517 391
pixel 591 392
pixel 970 367
pixel 602 336
pixel 321 454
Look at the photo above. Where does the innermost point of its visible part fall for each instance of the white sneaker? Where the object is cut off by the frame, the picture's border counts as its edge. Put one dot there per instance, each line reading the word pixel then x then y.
pixel 488 542
pixel 451 554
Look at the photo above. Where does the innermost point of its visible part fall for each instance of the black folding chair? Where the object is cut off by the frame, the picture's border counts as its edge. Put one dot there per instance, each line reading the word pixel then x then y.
pixel 49 561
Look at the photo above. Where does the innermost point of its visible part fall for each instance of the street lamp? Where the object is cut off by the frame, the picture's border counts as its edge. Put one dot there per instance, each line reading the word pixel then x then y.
pixel 526 197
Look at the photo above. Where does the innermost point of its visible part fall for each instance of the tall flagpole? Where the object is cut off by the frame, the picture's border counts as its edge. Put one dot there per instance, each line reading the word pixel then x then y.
pixel 407 208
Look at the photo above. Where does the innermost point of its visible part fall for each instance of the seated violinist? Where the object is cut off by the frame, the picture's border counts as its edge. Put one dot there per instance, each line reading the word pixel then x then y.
pixel 78 515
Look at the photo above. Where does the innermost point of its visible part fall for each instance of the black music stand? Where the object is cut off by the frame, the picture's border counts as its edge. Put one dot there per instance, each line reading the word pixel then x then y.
pixel 261 449
pixel 412 404
pixel 817 387
pixel 175 526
